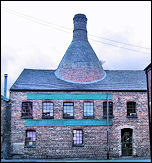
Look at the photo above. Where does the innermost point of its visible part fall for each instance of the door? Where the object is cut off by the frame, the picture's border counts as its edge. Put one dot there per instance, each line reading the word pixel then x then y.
pixel 126 141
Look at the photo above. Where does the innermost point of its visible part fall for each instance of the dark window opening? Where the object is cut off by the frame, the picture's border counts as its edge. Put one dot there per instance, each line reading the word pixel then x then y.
pixel 88 110
pixel 47 110
pixel 110 110
pixel 30 139
pixel 27 111
pixel 68 110
pixel 77 137
pixel 131 109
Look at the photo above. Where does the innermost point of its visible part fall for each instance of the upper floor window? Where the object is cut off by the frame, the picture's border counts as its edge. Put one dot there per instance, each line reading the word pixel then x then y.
pixel 105 109
pixel 131 109
pixel 88 110
pixel 27 110
pixel 47 110
pixel 77 137
pixel 68 110
pixel 30 139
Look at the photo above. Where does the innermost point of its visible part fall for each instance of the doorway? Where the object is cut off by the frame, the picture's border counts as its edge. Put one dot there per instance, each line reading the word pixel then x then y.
pixel 126 141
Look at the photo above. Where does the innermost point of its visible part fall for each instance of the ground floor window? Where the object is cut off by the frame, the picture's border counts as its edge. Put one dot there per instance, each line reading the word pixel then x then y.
pixel 77 137
pixel 30 139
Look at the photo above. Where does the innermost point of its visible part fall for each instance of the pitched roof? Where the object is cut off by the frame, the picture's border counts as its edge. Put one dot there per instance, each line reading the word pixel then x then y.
pixel 119 80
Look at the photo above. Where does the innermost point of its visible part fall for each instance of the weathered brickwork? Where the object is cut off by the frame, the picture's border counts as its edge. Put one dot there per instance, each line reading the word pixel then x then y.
pixel 5 128
pixel 3 109
pixel 56 142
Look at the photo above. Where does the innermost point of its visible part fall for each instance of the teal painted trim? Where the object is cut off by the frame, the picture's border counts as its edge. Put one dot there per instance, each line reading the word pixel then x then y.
pixel 67 96
pixel 30 123
pixel 4 98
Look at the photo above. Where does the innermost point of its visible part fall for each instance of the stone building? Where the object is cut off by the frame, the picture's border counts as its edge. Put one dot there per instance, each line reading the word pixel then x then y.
pixel 62 113
pixel 5 127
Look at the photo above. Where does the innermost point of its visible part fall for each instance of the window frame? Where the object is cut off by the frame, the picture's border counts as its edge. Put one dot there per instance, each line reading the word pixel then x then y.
pixel 77 145
pixel 65 116
pixel 26 137
pixel 47 116
pixel 88 117
pixel 105 115
pixel 135 110
pixel 31 110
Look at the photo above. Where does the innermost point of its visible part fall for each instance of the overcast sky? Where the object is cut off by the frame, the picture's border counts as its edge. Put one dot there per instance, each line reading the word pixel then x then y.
pixel 36 34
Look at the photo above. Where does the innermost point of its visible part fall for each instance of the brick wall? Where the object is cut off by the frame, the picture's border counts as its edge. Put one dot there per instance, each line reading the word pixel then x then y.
pixel 5 128
pixel 56 142
pixel 3 109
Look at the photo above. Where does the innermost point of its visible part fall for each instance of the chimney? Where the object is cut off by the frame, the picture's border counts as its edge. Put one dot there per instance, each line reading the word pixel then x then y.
pixel 80 29
pixel 5 84
pixel 80 64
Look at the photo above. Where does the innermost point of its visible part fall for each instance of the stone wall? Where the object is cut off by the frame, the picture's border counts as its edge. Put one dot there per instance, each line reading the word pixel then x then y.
pixel 56 142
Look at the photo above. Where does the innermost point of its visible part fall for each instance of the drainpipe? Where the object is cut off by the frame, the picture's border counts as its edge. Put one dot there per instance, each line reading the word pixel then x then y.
pixel 5 84
pixel 107 127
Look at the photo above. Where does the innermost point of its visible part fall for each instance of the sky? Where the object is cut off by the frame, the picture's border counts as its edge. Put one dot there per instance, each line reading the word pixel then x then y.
pixel 36 34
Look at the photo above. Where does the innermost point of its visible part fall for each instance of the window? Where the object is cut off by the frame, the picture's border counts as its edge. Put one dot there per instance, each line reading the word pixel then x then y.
pixel 30 139
pixel 27 110
pixel 77 137
pixel 105 109
pixel 131 109
pixel 68 110
pixel 88 110
pixel 47 110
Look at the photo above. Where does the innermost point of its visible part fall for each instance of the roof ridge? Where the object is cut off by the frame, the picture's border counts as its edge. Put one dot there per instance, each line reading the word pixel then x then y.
pixel 123 70
pixel 40 69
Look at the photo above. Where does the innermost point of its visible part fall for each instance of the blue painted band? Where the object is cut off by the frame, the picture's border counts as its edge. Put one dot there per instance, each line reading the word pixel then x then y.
pixel 4 98
pixel 67 96
pixel 31 123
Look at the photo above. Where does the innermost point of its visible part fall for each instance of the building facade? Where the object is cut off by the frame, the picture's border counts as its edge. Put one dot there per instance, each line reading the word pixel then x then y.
pixel 63 113
pixel 5 127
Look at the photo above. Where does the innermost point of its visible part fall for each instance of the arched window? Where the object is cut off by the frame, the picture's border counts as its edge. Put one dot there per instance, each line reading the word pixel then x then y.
pixel 131 109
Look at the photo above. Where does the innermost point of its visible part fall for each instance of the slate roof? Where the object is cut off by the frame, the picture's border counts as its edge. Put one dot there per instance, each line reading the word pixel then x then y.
pixel 119 80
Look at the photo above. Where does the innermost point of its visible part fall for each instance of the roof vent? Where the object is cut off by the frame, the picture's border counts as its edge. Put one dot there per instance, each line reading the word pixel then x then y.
pixel 80 63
